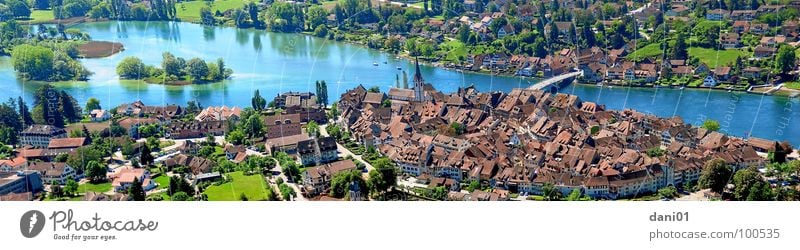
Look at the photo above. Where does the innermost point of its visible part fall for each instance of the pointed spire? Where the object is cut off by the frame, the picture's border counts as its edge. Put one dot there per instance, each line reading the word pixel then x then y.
pixel 417 75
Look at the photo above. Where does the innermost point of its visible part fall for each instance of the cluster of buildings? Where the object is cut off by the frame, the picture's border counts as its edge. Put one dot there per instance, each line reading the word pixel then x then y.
pixel 526 139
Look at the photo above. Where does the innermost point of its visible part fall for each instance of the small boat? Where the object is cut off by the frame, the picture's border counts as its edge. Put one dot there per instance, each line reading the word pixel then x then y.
pixel 682 87
pixel 599 84
pixel 384 62
pixel 398 68
pixel 374 64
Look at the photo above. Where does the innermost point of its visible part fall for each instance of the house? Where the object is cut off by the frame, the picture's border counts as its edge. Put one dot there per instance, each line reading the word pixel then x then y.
pixel 761 52
pixel 286 144
pixel 730 40
pixel 132 124
pixel 223 113
pixel 677 10
pixel 20 182
pixel 722 73
pixel 709 81
pixel 295 99
pixel 58 172
pixel 40 135
pixel 317 180
pixel 195 129
pixel 740 26
pixel 505 30
pixel 743 15
pixel 282 125
pixel 752 72
pixel 235 154
pixel 99 115
pixel 196 165
pixel 66 145
pixel 124 177
pixel 772 41
pixel 15 162
pixel 317 151
pixel 759 28
pixel 717 14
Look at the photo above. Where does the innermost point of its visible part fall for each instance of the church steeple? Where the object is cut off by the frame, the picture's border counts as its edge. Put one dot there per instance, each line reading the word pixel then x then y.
pixel 417 73
pixel 419 83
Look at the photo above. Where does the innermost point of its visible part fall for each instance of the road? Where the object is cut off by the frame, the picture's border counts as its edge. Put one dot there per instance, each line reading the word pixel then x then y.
pixel 344 152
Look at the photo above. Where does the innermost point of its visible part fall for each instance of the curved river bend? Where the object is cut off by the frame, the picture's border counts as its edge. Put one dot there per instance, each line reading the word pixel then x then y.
pixel 276 62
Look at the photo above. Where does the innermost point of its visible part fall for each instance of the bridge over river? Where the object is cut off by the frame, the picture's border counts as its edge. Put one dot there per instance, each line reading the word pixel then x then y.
pixel 554 80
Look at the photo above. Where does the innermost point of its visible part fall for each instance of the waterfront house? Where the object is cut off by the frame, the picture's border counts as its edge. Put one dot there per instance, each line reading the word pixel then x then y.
pixel 709 81
pixel 752 72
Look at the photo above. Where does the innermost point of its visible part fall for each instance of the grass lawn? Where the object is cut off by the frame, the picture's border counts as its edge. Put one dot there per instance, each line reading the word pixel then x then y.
pixel 455 50
pixel 715 58
pixel 42 15
pixel 89 187
pixel 792 85
pixel 253 186
pixel 163 181
pixel 651 50
pixel 190 11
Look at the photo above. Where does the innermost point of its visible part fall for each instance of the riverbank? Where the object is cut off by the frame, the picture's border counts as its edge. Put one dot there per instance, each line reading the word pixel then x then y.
pixel 784 92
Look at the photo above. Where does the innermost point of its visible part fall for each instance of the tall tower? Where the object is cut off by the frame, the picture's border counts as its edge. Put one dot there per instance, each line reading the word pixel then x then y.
pixel 419 83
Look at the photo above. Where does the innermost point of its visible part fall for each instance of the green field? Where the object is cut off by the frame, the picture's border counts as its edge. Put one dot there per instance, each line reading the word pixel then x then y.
pixel 190 11
pixel 99 188
pixel 455 49
pixel 792 85
pixel 651 50
pixel 163 181
pixel 42 15
pixel 253 186
pixel 714 58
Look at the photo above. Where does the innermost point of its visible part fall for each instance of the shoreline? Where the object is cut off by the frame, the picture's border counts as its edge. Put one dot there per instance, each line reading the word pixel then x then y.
pixel 435 64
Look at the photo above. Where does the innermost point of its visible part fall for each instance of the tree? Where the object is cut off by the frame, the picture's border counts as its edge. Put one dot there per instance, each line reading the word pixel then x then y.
pixel 71 189
pixel 181 196
pixel 132 68
pixel 178 184
pixel 69 107
pixel 679 50
pixel 197 69
pixel 744 180
pixel 575 195
pixel 553 35
pixel 473 185
pixel 668 192
pixel 291 171
pixel 19 8
pixel 711 125
pixel 95 171
pixel 171 65
pixel 254 127
pixel 785 60
pixel 45 111
pixel 550 192
pixel 207 17
pixel 322 92
pixel 56 191
pixel 92 104
pixel 258 102
pixel 316 16
pixel 33 62
pixel 341 182
pixel 312 128
pixel 135 191
pixel 715 175
pixel 24 114
pixel 145 158
pixel 236 137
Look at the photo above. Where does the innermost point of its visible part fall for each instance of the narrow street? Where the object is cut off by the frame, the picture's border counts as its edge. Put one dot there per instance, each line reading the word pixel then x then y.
pixel 344 152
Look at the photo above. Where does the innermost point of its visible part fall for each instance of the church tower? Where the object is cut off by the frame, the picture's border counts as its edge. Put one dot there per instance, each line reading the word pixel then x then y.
pixel 419 84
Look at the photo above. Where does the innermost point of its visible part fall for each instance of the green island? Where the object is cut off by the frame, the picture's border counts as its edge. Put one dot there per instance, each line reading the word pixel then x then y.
pixel 174 70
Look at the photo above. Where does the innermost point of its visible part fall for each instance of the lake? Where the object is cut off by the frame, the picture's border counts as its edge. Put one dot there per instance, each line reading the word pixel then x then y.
pixel 274 63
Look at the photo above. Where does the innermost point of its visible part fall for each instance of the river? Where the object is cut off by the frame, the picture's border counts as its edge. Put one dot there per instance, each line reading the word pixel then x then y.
pixel 276 62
